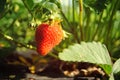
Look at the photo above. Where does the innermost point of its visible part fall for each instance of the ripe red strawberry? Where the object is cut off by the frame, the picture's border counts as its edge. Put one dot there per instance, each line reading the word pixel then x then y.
pixel 48 36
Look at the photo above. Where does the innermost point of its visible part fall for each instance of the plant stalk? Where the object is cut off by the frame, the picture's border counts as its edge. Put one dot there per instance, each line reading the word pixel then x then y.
pixel 15 41
pixel 73 8
pixel 81 18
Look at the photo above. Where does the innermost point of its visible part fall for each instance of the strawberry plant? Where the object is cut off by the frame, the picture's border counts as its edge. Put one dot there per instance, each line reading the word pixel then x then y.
pixel 73 32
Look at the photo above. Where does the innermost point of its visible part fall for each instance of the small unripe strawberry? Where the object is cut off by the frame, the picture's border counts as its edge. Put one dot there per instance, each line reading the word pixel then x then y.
pixel 48 36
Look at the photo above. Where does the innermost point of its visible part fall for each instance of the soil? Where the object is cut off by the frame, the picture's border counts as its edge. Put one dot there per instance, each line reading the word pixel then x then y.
pixel 54 70
pixel 19 72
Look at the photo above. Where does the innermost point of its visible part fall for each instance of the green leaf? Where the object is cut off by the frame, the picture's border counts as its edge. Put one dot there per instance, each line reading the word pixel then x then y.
pixel 30 4
pixel 106 68
pixel 97 5
pixel 47 9
pixel 87 52
pixel 116 69
pixel 57 2
pixel 52 7
pixel 92 52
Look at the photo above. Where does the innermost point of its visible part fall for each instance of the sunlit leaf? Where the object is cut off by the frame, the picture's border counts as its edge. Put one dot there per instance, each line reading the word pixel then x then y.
pixel 116 67
pixel 92 52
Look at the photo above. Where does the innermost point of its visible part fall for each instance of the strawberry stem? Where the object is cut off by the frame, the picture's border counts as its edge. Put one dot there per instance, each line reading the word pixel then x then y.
pixel 53 55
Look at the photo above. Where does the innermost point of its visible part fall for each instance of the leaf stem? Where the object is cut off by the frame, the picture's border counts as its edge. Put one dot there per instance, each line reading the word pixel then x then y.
pixel 81 18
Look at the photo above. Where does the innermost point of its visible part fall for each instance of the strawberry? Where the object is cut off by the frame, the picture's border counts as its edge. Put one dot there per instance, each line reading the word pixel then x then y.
pixel 48 36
